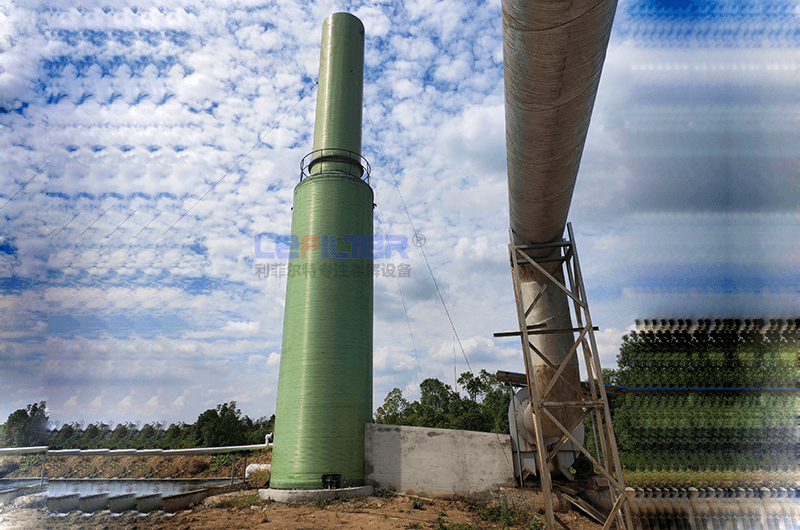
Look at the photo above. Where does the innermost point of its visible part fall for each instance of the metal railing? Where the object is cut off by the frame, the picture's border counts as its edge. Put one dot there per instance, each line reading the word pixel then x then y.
pixel 339 161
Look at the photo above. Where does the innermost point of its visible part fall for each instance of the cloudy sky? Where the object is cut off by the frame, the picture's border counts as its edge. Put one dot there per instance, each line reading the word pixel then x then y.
pixel 116 304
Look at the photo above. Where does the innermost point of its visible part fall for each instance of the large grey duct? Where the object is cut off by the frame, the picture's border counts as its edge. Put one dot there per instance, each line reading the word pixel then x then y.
pixel 553 53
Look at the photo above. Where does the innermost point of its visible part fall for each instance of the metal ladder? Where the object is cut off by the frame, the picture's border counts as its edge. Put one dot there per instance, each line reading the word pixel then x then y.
pixel 596 402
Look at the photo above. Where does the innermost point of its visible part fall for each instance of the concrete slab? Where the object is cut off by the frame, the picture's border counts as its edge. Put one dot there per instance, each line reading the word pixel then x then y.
pixel 442 463
pixel 7 496
pixel 122 503
pixel 180 501
pixel 149 503
pixel 93 503
pixel 63 503
pixel 290 496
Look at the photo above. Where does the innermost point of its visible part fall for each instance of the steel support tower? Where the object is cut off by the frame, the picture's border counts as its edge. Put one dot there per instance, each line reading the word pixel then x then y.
pixel 545 404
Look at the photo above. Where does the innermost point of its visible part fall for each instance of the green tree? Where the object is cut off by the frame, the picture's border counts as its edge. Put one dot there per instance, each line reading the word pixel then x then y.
pixel 91 437
pixel 493 397
pixel 178 436
pixel 435 394
pixel 120 437
pixel 64 437
pixel 393 410
pixel 609 376
pixel 148 437
pixel 223 426
pixel 485 409
pixel 27 427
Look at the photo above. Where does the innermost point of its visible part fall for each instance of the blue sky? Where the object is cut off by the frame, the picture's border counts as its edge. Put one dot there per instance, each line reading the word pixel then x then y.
pixel 118 305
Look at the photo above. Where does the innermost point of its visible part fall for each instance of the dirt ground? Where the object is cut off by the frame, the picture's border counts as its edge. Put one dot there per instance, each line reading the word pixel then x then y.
pixel 243 509
pixel 371 513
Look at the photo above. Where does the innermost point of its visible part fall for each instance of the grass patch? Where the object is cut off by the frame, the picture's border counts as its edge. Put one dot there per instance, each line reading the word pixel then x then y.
pixel 30 461
pixel 502 514
pixel 243 500
pixel 536 523
pixel 218 461
pixel 319 502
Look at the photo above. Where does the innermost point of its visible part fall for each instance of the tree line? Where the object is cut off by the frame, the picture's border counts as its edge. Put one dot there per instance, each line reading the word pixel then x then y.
pixel 217 427
pixel 484 408
pixel 727 418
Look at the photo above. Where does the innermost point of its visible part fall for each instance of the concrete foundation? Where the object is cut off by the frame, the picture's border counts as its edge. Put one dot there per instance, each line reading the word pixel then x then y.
pixel 440 463
pixel 312 495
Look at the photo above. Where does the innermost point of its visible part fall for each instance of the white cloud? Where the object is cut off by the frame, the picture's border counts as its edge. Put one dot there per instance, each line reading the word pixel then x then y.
pixel 125 404
pixel 96 404
pixel 256 359
pixel 72 402
pixel 244 328
pixel 274 359
pixel 176 406
pixel 151 406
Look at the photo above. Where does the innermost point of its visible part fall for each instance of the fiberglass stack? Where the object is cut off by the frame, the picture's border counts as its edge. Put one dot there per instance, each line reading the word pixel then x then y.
pixel 325 384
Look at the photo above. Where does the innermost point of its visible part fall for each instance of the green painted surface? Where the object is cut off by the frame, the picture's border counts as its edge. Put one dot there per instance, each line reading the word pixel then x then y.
pixel 337 129
pixel 325 385
pixel 325 382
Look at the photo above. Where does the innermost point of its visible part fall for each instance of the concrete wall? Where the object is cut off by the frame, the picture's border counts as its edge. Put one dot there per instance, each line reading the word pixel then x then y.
pixel 437 462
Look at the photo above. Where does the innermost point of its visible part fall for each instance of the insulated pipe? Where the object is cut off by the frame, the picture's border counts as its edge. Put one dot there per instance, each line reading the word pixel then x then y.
pixel 553 53
pixel 325 380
